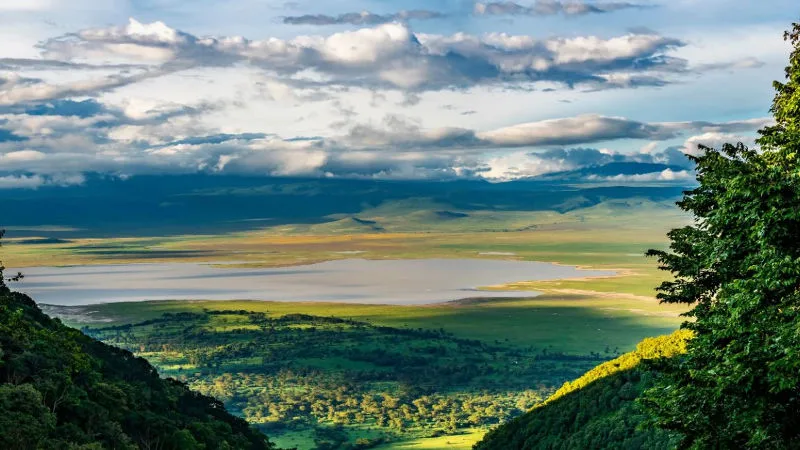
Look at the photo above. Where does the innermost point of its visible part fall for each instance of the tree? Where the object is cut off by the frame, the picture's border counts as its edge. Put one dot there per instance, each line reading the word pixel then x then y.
pixel 738 265
pixel 25 422
pixel 3 279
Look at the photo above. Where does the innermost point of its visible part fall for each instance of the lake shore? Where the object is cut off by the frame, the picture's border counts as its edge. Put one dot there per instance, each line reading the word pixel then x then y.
pixel 392 282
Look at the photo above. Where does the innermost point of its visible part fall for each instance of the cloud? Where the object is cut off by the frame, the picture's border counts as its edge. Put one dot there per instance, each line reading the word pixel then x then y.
pixel 664 175
pixel 581 164
pixel 551 7
pixel 52 64
pixel 724 127
pixel 363 18
pixel 36 181
pixel 137 136
pixel 387 56
pixel 715 139
pixel 15 90
pixel 519 165
pixel 22 156
pixel 538 8
pixel 399 133
pixel 646 165
pixel 574 130
pixel 744 63
pixel 27 5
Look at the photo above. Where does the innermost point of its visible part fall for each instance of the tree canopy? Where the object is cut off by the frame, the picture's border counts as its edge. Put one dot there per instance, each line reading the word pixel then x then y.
pixel 738 265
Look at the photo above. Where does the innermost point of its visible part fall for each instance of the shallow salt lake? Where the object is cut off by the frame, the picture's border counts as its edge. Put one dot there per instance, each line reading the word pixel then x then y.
pixel 399 282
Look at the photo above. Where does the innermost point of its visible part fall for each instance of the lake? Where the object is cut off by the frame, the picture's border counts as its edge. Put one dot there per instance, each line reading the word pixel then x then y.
pixel 399 282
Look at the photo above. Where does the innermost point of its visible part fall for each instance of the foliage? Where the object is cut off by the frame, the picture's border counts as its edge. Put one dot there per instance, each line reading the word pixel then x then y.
pixel 296 373
pixel 738 386
pixel 60 389
pixel 595 411
pixel 649 348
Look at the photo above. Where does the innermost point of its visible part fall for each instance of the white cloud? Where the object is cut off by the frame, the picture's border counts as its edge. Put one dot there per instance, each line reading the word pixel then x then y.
pixel 573 130
pixel 15 90
pixel 714 139
pixel 22 156
pixel 21 182
pixel 550 7
pixel 35 181
pixel 142 137
pixel 27 5
pixel 521 165
pixel 664 175
pixel 385 56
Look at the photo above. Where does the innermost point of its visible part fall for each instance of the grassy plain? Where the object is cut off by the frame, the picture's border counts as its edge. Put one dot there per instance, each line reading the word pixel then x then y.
pixel 462 441
pixel 607 235
pixel 570 323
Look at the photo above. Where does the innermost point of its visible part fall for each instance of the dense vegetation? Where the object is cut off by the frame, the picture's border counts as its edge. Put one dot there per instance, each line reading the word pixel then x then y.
pixel 739 267
pixel 60 389
pixel 344 382
pixel 598 410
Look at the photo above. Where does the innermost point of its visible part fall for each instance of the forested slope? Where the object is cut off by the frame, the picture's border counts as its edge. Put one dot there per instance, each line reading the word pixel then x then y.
pixel 598 410
pixel 60 389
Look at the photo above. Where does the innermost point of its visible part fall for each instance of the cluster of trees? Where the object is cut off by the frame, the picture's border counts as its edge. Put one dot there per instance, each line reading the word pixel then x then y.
pixel 62 389
pixel 300 372
pixel 310 401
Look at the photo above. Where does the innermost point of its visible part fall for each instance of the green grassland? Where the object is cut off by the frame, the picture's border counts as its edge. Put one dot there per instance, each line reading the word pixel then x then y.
pixel 570 323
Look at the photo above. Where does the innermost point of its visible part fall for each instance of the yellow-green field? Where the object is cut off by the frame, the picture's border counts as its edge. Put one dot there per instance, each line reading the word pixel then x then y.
pixel 602 235
pixel 572 323
pixel 463 441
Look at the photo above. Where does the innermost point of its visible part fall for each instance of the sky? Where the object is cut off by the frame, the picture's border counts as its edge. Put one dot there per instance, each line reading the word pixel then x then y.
pixel 407 89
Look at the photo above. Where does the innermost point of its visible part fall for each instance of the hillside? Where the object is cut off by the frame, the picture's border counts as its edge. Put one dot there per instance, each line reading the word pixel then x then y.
pixel 598 410
pixel 62 389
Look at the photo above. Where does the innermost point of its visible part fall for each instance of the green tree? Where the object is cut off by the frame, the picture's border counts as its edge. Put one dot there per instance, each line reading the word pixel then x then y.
pixel 25 422
pixel 3 279
pixel 738 386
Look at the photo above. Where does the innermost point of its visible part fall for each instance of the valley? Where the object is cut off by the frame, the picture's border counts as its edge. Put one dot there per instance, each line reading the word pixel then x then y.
pixel 410 323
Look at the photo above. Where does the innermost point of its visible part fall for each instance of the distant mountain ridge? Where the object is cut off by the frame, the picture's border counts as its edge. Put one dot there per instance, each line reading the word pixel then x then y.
pixel 193 204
